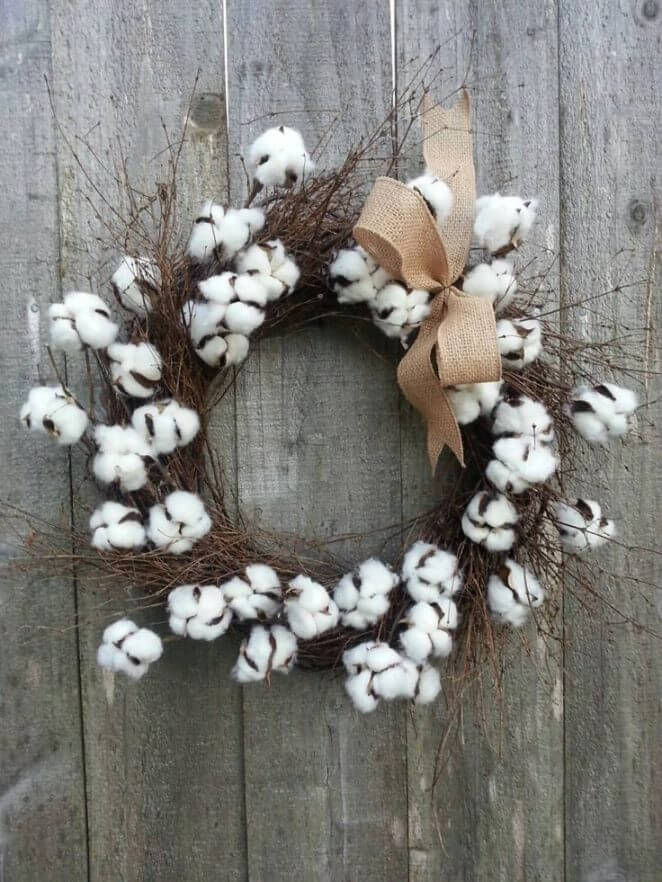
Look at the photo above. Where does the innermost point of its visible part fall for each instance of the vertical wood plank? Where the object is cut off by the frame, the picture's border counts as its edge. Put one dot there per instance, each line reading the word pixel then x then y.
pixel 164 756
pixel 497 811
pixel 318 440
pixel 611 103
pixel 42 797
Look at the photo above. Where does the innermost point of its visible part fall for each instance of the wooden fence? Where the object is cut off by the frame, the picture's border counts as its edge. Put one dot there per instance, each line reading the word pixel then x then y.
pixel 184 776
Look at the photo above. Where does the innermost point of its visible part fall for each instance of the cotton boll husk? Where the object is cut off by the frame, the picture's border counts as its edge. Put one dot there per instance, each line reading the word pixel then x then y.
pixel 219 289
pixel 51 410
pixel 428 686
pixel 278 158
pixel 503 221
pixel 358 687
pixel 521 415
pixel 62 332
pixel 437 196
pixel 241 318
pixel 135 282
pixel 535 463
pixel 493 281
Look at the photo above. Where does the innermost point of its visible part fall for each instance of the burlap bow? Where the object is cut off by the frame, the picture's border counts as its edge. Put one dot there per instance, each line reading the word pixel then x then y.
pixel 457 342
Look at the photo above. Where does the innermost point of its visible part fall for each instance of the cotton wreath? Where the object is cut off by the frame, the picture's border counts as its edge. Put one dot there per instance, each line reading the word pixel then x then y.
pixel 390 625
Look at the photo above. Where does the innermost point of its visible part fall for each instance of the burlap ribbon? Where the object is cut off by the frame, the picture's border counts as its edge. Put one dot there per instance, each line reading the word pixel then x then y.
pixel 457 342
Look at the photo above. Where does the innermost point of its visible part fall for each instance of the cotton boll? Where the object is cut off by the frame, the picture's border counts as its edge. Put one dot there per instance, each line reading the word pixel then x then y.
pixel 199 612
pixel 581 525
pixel 504 478
pixel 490 520
pixel 242 318
pixel 428 630
pixel 249 289
pixel 532 462
pixel 277 272
pixel 122 457
pixel 166 425
pixel 520 415
pixel 430 572
pixel 128 649
pixel 356 658
pixel 95 329
pixel 188 510
pixel 278 158
pixel 236 229
pixel 428 686
pixel 205 235
pixel 115 526
pixel 136 283
pixel 82 320
pixel 436 194
pixel 418 307
pixel 62 331
pixel 512 593
pixel 219 289
pixel 493 281
pixel 503 222
pixel 359 688
pixel 165 534
pixel 264 651
pixel 363 596
pixel 602 412
pixel 396 681
pixel 204 319
pixel 309 609
pixel 355 277
pixel 52 410
pixel 520 342
pixel 258 596
pixel 390 310
pixel 464 403
pixel 135 368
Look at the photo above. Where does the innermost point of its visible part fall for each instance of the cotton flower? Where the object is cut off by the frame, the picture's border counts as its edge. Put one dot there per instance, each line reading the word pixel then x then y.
pixel 51 409
pixel 278 158
pixel 273 267
pixel 355 277
pixel 430 573
pixel 257 596
pixel 127 648
pixel 503 222
pixel 436 194
pixel 115 526
pixel 136 283
pixel 520 342
pixel 602 412
pixel 581 525
pixel 166 425
pixel 178 523
pixel 135 368
pixel 518 414
pixel 82 320
pixel 376 671
pixel 520 463
pixel 512 593
pixel 397 311
pixel 490 520
pixel 222 233
pixel 122 457
pixel 428 630
pixel 265 650
pixel 472 400
pixel 199 612
pixel 363 595
pixel 493 281
pixel 309 609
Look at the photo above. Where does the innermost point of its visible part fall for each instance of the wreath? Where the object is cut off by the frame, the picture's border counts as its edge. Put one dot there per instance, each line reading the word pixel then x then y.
pixel 484 363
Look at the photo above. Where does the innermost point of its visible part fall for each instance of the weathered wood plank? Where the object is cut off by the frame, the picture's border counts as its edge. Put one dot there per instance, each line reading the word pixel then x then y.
pixel 318 444
pixel 42 791
pixel 497 811
pixel 611 103
pixel 164 757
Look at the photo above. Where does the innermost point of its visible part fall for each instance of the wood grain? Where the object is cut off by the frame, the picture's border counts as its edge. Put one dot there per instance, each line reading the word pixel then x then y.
pixel 164 760
pixel 611 105
pixel 497 809
pixel 42 783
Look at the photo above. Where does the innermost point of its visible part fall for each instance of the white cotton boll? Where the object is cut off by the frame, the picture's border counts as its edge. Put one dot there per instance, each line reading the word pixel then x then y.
pixel 62 332
pixel 205 234
pixel 513 593
pixel 398 681
pixel 122 457
pixel 464 403
pixel 95 330
pixel 115 526
pixel 355 277
pixel 236 229
pixel 264 651
pixel 493 281
pixel 428 686
pixel 135 368
pixel 83 319
pixel 188 510
pixel 359 688
pixel 430 572
pixel 356 658
pixel 278 158
pixel 166 425
pixel 165 534
pixel 581 525
pixel 504 478
pixel 519 341
pixel 237 349
pixel 416 644
pixel 136 283
pixel 363 596
pixel 219 289
pixel 503 222
pixel 128 649
pixel 602 412
pixel 242 318
pixel 436 194
pixel 52 410
pixel 418 307
pixel 531 461
pixel 213 351
pixel 277 272
pixel 309 609
pixel 428 629
pixel 393 676
pixel 258 596
pixel 520 415
pixel 390 310
pixel 204 320
pixel 249 289
pixel 490 520
pixel 199 612
pixel 254 259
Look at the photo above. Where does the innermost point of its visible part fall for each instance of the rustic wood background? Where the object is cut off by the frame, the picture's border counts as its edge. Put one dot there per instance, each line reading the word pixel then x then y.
pixel 184 776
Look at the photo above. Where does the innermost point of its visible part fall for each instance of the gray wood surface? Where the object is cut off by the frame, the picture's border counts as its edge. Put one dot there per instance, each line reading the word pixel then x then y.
pixel 185 776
